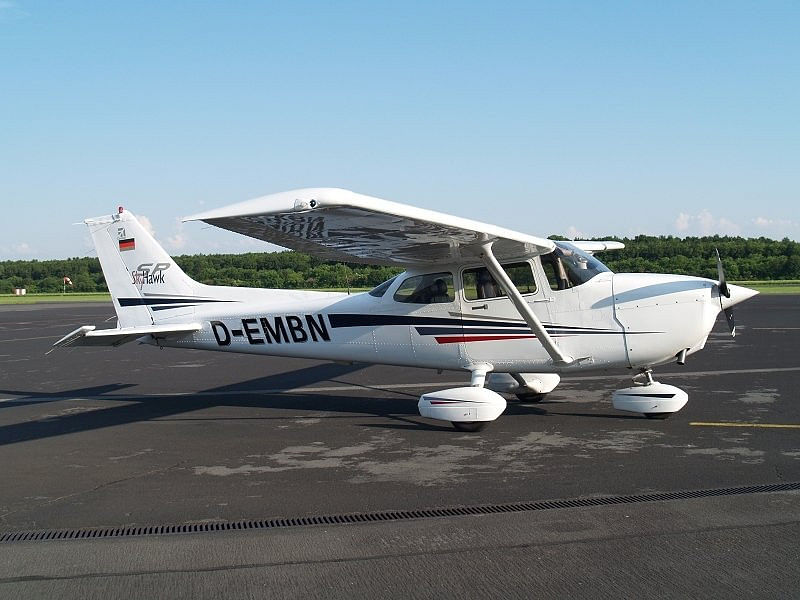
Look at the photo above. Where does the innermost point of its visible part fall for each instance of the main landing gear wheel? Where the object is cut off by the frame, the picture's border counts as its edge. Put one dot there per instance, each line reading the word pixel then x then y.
pixel 469 426
pixel 530 398
pixel 467 408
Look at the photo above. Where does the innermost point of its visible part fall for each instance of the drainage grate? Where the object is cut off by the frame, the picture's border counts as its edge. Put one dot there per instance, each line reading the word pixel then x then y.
pixel 389 515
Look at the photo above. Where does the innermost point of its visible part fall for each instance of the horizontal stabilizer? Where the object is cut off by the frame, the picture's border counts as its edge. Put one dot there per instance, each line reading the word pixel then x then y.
pixel 88 336
pixel 592 247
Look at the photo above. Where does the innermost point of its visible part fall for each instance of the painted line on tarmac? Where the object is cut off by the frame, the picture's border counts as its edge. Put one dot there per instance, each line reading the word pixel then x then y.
pixel 759 425
pixel 359 387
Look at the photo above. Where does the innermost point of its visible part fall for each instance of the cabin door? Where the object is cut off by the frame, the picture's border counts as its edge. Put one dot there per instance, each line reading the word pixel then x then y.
pixel 492 329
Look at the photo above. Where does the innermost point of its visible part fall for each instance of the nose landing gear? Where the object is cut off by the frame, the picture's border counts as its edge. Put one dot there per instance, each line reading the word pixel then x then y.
pixel 650 398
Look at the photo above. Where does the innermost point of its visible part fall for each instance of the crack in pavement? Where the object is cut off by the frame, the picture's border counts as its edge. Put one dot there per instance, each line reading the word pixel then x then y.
pixel 89 491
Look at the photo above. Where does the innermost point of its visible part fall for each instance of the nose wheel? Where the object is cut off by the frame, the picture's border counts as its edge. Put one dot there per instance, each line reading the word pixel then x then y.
pixel 469 426
pixel 650 398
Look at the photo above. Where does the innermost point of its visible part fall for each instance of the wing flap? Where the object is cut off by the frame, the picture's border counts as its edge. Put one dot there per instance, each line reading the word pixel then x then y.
pixel 87 335
pixel 336 224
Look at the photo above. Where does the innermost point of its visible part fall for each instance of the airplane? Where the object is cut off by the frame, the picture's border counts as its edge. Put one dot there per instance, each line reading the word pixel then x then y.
pixel 514 311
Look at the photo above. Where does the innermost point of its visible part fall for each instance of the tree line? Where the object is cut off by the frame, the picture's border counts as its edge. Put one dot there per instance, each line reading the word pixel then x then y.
pixel 744 259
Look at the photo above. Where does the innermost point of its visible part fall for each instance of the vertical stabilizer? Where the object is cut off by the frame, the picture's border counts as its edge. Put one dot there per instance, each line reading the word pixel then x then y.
pixel 146 285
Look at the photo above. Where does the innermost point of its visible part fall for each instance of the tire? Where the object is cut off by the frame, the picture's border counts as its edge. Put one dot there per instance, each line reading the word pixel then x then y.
pixel 530 397
pixel 469 426
pixel 659 416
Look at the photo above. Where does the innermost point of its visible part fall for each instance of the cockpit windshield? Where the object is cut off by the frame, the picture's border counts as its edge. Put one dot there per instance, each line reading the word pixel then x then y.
pixel 568 266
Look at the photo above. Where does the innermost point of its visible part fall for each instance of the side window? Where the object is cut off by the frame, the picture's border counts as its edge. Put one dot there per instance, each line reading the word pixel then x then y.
pixel 426 289
pixel 552 269
pixel 521 275
pixel 479 283
pixel 380 290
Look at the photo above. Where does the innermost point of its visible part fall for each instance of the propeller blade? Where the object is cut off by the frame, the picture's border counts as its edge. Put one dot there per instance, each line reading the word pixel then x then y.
pixel 724 290
pixel 731 323
pixel 723 285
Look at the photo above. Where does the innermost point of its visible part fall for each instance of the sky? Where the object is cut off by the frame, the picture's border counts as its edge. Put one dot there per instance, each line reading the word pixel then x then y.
pixel 573 118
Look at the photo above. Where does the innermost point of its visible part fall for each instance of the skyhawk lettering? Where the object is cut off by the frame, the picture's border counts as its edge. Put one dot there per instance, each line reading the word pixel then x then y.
pixel 145 275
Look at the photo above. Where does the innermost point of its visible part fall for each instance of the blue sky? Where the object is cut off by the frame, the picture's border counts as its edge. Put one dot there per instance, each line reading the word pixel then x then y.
pixel 576 118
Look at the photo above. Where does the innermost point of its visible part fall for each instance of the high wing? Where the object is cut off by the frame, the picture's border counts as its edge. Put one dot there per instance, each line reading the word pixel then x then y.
pixel 336 224
pixel 88 336
pixel 592 247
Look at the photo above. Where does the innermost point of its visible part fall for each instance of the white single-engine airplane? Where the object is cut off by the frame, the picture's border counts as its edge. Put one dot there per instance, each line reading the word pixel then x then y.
pixel 513 310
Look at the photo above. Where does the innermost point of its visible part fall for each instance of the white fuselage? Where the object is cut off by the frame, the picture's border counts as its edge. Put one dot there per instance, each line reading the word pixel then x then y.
pixel 611 321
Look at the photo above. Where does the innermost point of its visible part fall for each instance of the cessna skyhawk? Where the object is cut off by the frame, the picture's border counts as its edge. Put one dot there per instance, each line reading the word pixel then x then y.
pixel 512 310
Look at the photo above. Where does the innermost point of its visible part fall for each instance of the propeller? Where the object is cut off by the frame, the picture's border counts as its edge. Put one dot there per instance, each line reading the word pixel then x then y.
pixel 725 291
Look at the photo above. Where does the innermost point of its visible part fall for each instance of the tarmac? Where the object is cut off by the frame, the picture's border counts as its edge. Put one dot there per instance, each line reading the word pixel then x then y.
pixel 116 439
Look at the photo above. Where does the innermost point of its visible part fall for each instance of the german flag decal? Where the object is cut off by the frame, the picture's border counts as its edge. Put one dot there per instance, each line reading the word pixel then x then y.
pixel 128 244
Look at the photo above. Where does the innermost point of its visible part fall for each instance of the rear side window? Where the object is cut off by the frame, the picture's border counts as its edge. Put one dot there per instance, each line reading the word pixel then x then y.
pixel 380 290
pixel 432 288
pixel 479 283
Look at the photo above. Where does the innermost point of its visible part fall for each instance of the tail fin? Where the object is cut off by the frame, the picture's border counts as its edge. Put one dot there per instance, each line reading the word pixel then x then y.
pixel 141 276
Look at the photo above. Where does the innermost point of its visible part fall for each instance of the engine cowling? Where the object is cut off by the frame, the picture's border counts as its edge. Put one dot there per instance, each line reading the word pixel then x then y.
pixel 462 405
pixel 650 400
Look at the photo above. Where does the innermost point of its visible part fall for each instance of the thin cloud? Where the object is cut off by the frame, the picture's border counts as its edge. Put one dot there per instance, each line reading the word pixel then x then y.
pixel 704 223
pixel 147 224
pixel 765 223
pixel 18 249
pixel 682 222
pixel 574 233
pixel 179 240
pixel 777 228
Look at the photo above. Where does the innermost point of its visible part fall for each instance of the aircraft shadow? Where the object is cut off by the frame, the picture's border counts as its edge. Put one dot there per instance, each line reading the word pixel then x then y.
pixel 401 411
pixel 144 408
pixel 39 397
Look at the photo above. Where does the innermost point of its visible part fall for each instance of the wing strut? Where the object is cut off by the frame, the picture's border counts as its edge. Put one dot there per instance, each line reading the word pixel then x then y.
pixel 523 307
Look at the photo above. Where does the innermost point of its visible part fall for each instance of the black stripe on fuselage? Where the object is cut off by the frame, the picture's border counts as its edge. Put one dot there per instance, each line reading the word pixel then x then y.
pixel 366 320
pixel 487 330
pixel 156 301
pixel 172 306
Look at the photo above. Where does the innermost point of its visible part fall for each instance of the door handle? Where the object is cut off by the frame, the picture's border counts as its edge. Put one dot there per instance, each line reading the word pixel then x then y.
pixel 481 307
